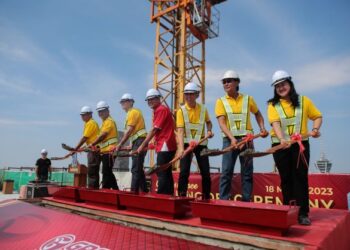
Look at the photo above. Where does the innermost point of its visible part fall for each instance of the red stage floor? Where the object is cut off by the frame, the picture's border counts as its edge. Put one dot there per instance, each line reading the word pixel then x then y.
pixel 329 230
pixel 26 226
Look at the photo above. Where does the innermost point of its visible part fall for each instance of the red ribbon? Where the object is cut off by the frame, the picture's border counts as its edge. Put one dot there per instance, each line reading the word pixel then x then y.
pixel 248 138
pixel 298 138
pixel 151 146
pixel 193 144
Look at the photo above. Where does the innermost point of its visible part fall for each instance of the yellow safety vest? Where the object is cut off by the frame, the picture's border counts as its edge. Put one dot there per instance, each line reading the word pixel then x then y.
pixel 237 117
pixel 198 127
pixel 287 122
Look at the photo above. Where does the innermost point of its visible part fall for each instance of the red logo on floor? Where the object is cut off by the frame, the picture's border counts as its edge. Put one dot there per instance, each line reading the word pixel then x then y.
pixel 66 242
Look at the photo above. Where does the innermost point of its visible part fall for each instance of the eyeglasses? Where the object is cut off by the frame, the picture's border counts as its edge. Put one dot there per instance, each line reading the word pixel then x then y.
pixel 228 80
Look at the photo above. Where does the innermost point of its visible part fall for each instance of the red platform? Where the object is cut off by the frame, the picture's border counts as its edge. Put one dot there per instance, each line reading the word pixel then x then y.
pixel 103 197
pixel 329 229
pixel 251 217
pixel 157 204
pixel 25 226
pixel 67 193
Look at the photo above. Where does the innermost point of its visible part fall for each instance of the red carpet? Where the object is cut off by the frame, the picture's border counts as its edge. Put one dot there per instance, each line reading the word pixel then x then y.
pixel 25 226
pixel 329 230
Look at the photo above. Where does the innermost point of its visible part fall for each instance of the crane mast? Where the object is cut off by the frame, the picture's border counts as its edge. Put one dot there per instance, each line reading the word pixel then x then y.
pixel 182 27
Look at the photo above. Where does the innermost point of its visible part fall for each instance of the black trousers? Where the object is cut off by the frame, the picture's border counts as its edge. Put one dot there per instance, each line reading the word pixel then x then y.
pixel 108 178
pixel 185 167
pixel 165 178
pixel 94 161
pixel 138 179
pixel 293 172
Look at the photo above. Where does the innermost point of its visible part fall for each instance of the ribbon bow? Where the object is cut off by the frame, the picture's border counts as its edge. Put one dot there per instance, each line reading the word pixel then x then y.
pixel 298 138
pixel 248 138
pixel 193 144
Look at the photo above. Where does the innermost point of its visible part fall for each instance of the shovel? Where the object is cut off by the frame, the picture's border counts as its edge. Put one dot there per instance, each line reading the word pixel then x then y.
pixel 162 167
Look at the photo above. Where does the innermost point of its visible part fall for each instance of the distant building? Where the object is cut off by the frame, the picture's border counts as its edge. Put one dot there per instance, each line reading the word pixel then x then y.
pixel 323 164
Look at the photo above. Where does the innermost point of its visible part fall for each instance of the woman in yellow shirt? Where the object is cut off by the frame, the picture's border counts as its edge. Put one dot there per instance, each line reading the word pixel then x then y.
pixel 288 114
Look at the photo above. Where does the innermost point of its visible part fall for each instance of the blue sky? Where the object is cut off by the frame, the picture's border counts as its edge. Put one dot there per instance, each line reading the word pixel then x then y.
pixel 56 56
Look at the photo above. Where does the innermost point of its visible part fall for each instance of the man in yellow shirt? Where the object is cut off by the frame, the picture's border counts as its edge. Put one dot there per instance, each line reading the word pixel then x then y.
pixel 106 141
pixel 288 113
pixel 135 132
pixel 90 134
pixel 190 123
pixel 233 114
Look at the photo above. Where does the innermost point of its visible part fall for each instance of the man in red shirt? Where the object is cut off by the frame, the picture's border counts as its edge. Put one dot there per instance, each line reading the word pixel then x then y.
pixel 164 137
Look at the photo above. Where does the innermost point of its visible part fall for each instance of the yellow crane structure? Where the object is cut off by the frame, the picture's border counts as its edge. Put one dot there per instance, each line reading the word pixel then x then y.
pixel 182 27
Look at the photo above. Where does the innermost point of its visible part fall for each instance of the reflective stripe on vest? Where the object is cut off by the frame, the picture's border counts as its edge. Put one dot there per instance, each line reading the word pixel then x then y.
pixel 286 122
pixel 139 133
pixel 198 127
pixel 110 141
pixel 237 117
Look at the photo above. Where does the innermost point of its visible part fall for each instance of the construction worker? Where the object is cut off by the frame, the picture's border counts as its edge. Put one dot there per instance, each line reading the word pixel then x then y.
pixel 43 167
pixel 190 123
pixel 165 142
pixel 233 114
pixel 288 113
pixel 90 134
pixel 106 141
pixel 135 132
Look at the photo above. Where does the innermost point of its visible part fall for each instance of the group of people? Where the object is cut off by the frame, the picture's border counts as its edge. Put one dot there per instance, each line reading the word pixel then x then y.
pixel 288 113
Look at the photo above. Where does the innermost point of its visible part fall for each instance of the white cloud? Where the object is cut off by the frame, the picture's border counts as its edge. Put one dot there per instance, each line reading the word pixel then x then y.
pixel 281 26
pixel 17 84
pixel 12 122
pixel 15 53
pixel 134 48
pixel 324 74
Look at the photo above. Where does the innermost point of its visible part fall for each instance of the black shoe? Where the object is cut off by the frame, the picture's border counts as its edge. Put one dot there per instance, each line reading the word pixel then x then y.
pixel 304 220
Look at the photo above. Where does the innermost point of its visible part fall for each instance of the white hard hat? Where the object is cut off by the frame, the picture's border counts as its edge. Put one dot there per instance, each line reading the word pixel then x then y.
pixel 191 87
pixel 101 105
pixel 85 110
pixel 44 151
pixel 126 97
pixel 230 74
pixel 151 93
pixel 280 76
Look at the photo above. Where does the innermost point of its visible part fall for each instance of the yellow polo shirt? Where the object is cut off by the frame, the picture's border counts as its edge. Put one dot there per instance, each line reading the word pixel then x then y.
pixel 135 118
pixel 91 131
pixel 110 127
pixel 193 116
pixel 236 106
pixel 309 112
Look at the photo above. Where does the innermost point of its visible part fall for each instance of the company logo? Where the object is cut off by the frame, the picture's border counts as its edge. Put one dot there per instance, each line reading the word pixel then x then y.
pixel 66 242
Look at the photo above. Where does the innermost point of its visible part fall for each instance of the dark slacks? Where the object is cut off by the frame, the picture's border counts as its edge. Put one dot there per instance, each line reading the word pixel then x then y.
pixel 138 179
pixel 165 178
pixel 185 167
pixel 293 173
pixel 108 178
pixel 93 160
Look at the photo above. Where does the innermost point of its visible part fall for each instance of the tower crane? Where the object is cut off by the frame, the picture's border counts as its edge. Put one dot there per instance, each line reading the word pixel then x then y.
pixel 182 27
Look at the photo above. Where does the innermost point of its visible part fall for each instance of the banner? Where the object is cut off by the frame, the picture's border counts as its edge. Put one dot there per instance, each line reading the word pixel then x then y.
pixel 325 190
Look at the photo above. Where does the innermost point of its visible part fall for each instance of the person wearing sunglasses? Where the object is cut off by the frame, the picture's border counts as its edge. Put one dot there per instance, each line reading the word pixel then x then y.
pixel 233 114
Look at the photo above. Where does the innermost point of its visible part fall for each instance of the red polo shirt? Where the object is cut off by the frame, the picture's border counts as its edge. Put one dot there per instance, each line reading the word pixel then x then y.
pixel 165 136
